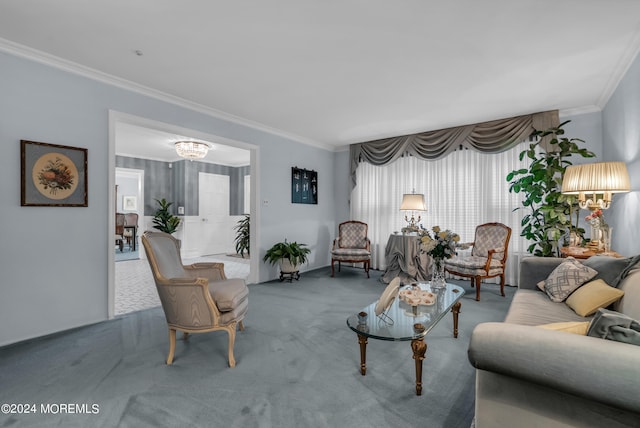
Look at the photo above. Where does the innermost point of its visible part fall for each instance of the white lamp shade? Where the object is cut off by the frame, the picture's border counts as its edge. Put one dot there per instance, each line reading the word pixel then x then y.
pixel 600 177
pixel 413 202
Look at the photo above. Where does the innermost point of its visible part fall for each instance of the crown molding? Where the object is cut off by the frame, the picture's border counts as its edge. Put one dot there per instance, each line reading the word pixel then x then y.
pixel 22 51
pixel 629 55
pixel 579 110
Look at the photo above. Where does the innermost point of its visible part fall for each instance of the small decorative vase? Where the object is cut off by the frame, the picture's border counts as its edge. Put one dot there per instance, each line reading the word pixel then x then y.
pixel 605 237
pixel 574 239
pixel 596 234
pixel 437 274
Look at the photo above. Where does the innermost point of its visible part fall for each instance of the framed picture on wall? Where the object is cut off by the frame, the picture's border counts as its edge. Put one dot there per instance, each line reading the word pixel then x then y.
pixel 129 203
pixel 304 186
pixel 52 175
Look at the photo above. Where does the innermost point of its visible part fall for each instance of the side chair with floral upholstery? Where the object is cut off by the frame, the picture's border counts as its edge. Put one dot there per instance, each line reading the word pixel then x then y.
pixel 488 256
pixel 196 298
pixel 352 245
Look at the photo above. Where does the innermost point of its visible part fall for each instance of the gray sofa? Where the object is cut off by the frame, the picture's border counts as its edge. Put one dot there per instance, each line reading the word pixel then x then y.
pixel 527 376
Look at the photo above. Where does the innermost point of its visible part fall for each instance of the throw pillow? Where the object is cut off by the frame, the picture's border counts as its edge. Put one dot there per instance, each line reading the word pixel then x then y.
pixel 615 326
pixel 592 296
pixel 609 268
pixel 575 327
pixel 564 279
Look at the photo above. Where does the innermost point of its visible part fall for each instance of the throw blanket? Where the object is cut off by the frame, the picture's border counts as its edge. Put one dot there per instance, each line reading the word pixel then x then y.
pixel 615 326
pixel 634 262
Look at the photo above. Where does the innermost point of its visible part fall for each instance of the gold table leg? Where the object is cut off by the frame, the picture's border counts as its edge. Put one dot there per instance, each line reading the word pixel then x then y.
pixel 362 340
pixel 419 349
pixel 456 310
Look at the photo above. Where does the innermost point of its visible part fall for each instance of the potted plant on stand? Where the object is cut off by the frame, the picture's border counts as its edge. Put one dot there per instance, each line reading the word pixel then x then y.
pixel 163 220
pixel 289 255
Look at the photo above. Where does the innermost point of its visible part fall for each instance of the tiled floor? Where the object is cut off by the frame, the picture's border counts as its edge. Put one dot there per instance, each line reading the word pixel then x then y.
pixel 135 289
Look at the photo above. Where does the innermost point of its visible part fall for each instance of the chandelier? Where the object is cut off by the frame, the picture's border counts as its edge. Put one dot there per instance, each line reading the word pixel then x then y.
pixel 191 149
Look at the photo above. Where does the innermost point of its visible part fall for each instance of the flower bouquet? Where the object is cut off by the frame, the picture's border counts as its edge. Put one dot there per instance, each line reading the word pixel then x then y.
pixel 441 245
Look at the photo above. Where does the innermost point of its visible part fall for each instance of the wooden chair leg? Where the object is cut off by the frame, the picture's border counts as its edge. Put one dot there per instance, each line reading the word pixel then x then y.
pixel 366 268
pixel 241 325
pixel 185 336
pixel 232 339
pixel 502 285
pixel 172 345
pixel 478 281
pixel 472 282
pixel 332 271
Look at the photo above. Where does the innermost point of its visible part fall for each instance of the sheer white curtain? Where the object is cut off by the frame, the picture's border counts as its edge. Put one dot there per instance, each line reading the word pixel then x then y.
pixel 462 190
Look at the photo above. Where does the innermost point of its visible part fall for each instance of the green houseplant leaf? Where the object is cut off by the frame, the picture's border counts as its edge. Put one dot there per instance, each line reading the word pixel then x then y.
pixel 243 235
pixel 163 220
pixel 550 212
pixel 294 252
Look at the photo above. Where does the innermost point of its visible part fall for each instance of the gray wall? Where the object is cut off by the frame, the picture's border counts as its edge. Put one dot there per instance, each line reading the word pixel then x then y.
pixel 342 189
pixel 614 135
pixel 621 142
pixel 55 270
pixel 587 127
pixel 177 182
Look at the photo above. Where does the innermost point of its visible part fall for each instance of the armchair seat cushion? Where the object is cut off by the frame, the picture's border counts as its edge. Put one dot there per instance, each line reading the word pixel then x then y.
pixel 476 272
pixel 472 262
pixel 473 265
pixel 350 253
pixel 237 313
pixel 228 293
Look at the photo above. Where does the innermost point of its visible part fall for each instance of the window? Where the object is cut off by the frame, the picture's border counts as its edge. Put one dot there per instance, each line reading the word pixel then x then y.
pixel 462 190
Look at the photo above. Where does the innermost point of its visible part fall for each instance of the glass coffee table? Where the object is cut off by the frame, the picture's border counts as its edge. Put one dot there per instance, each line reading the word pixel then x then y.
pixel 404 322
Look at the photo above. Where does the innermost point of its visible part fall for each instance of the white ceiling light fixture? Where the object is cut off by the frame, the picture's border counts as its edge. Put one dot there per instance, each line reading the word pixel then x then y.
pixel 191 149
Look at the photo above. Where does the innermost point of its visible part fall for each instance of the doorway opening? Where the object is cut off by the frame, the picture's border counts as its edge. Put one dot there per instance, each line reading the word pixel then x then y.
pixel 145 167
pixel 129 206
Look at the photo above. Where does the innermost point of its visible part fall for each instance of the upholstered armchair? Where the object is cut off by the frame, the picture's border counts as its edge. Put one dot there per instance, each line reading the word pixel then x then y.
pixel 196 298
pixel 352 245
pixel 488 256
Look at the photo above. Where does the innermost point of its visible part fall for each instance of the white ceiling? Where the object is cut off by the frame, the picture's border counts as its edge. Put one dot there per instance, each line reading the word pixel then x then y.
pixel 331 73
pixel 144 142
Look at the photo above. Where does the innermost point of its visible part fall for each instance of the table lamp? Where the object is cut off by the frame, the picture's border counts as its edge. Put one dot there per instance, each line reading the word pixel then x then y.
pixel 595 183
pixel 412 202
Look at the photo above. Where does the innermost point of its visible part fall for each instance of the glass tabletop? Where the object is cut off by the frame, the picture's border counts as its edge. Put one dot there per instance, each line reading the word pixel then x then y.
pixel 398 324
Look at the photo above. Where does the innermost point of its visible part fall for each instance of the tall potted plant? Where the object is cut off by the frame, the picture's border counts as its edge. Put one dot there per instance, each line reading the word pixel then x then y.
pixel 243 236
pixel 550 212
pixel 163 220
pixel 289 255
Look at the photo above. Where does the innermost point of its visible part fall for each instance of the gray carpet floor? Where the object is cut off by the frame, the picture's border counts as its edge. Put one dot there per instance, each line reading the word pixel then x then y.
pixel 297 366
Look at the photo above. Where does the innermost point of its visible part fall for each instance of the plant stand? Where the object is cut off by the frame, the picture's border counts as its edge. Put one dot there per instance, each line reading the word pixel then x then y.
pixel 289 276
pixel 288 271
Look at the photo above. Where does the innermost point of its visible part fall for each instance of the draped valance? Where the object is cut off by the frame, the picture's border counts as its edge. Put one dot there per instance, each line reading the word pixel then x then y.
pixel 488 137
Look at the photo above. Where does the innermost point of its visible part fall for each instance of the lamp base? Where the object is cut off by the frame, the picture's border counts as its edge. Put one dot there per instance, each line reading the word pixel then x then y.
pixel 408 230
